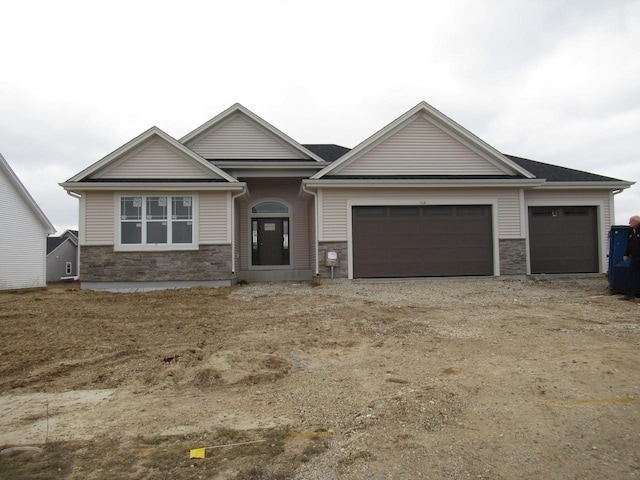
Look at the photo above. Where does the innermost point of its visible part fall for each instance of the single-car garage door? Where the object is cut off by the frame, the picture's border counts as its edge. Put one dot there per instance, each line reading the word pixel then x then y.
pixel 422 241
pixel 563 239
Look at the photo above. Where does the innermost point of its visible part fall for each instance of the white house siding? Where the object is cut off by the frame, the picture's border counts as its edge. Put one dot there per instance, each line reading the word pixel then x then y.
pixel 22 241
pixel 335 201
pixel 283 189
pixel 99 214
pixel 155 159
pixel 568 198
pixel 420 148
pixel 241 138
pixel 213 220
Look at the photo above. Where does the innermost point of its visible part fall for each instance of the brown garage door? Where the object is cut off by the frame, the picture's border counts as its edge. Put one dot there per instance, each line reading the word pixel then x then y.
pixel 563 239
pixel 415 241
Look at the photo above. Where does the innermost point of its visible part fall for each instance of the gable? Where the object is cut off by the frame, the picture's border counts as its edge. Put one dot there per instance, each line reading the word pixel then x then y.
pixel 421 147
pixel 424 142
pixel 16 203
pixel 154 159
pixel 240 138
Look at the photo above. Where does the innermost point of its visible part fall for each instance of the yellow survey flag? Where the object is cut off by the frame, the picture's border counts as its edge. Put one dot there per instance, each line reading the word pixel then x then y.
pixel 197 453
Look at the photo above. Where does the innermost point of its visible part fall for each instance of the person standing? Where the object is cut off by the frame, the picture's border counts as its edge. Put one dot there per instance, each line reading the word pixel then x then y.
pixel 633 253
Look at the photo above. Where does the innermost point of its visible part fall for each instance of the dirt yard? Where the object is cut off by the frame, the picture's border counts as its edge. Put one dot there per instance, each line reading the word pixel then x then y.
pixel 435 379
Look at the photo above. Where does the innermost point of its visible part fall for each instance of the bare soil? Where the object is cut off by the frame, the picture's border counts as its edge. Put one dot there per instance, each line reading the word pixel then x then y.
pixel 437 379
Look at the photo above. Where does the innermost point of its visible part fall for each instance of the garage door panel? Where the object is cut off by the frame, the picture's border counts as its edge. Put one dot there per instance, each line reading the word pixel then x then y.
pixel 563 239
pixel 422 241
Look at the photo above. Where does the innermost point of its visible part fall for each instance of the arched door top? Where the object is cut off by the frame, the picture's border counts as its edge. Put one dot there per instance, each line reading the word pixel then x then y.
pixel 270 207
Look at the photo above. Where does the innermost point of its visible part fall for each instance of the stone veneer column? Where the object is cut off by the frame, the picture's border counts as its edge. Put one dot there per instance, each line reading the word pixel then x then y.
pixel 513 257
pixel 341 269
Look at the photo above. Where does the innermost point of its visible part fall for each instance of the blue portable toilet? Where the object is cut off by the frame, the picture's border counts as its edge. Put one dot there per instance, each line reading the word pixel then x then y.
pixel 618 268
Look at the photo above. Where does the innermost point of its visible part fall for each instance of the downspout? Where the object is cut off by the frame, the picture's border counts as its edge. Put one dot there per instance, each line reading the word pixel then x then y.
pixel 233 228
pixel 315 205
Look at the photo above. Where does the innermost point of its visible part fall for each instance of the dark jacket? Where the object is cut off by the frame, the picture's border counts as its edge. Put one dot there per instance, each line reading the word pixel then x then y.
pixel 633 243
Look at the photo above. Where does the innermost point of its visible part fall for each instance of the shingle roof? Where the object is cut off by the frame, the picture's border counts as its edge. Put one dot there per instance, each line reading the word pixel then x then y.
pixel 54 242
pixel 554 173
pixel 328 152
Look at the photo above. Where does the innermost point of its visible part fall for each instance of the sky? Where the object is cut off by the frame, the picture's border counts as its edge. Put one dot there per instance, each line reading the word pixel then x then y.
pixel 557 81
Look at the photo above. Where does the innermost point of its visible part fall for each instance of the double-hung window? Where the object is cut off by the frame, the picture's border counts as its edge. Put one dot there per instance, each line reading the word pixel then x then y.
pixel 156 220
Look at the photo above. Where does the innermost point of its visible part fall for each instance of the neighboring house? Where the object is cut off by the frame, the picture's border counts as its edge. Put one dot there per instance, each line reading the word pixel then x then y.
pixel 23 234
pixel 62 256
pixel 237 199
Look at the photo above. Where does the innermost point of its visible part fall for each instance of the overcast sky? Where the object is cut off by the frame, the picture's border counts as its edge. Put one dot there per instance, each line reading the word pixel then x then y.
pixel 556 81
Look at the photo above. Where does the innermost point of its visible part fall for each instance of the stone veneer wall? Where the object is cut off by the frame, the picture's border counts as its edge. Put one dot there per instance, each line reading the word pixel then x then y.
pixel 103 264
pixel 513 257
pixel 341 269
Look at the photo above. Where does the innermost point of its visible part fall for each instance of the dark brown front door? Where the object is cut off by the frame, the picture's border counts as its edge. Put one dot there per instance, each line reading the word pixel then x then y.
pixel 272 241
pixel 422 241
pixel 563 239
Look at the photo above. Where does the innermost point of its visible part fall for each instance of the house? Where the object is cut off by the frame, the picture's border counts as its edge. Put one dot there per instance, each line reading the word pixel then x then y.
pixel 237 199
pixel 62 256
pixel 23 234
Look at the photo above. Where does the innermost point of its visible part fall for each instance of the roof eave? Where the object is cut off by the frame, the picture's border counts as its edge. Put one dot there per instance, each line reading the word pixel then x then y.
pixel 257 164
pixel 421 183
pixel 157 186
pixel 602 185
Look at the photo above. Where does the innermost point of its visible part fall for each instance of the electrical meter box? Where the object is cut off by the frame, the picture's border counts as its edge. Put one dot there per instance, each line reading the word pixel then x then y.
pixel 332 258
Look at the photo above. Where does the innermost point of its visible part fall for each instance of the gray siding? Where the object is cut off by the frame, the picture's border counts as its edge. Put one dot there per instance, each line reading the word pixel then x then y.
pixel 57 261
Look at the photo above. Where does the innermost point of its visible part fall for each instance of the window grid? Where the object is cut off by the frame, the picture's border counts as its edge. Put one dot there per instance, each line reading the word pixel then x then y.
pixel 156 220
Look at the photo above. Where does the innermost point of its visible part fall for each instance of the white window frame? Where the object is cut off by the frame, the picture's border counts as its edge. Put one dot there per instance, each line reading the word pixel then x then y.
pixel 133 247
pixel 68 268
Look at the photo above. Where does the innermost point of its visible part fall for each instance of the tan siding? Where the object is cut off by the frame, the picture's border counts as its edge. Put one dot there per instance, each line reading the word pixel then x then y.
pixel 241 138
pixel 156 159
pixel 99 218
pixel 239 253
pixel 420 148
pixel 313 239
pixel 335 202
pixel 245 252
pixel 300 235
pixel 213 219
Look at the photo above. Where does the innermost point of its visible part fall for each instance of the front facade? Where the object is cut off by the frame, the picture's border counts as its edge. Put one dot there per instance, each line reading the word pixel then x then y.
pixel 237 199
pixel 23 234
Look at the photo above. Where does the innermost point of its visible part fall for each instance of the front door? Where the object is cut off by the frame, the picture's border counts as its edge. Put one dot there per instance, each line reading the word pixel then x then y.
pixel 270 238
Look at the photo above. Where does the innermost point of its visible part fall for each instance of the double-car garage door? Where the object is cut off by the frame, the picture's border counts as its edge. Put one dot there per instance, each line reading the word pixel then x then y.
pixel 457 240
pixel 422 241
